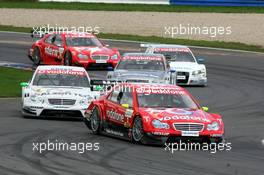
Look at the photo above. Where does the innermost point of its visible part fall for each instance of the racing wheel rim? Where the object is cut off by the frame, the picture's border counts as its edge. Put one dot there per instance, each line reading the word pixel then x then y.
pixel 36 56
pixel 67 62
pixel 137 130
pixel 95 121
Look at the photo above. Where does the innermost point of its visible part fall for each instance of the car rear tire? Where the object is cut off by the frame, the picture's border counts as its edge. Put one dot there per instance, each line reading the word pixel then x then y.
pixel 68 59
pixel 36 56
pixel 94 124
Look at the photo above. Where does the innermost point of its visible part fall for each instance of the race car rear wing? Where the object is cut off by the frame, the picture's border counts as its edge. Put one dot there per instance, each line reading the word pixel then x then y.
pixel 36 35
pixel 146 44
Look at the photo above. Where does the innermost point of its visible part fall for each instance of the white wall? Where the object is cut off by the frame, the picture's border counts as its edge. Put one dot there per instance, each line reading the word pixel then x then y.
pixel 114 1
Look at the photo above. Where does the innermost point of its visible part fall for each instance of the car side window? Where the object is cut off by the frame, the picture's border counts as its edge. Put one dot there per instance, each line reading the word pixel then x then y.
pixel 50 39
pixel 58 40
pixel 113 96
pixel 127 99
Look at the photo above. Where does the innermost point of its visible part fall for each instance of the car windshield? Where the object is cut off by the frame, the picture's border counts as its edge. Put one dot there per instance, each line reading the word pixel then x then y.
pixel 83 41
pixel 166 101
pixel 178 56
pixel 155 65
pixel 60 80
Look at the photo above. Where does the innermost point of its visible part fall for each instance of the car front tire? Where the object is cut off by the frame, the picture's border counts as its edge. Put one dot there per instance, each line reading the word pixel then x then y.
pixel 138 134
pixel 94 124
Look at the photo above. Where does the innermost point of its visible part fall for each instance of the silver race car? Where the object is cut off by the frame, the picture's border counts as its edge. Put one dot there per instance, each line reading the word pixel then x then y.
pixel 143 68
pixel 190 71
pixel 57 91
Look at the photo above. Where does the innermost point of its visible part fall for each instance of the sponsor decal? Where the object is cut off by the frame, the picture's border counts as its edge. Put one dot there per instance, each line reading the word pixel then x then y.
pixel 79 35
pixel 110 131
pixel 152 58
pixel 62 71
pixel 184 117
pixel 179 112
pixel 115 116
pixel 158 90
pixel 175 114
pixel 61 50
pixel 54 52
pixel 44 92
pixel 171 50
pixel 160 133
pixel 190 133
pixel 216 135
pixel 60 107
pixel 128 113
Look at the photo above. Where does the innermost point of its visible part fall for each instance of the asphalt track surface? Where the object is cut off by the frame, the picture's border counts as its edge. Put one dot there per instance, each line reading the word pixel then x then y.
pixel 235 90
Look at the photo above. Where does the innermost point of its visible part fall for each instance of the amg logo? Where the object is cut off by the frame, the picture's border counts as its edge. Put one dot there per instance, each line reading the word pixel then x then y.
pixel 115 116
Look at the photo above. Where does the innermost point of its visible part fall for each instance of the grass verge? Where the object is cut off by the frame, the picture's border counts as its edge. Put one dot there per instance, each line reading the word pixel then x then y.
pixel 33 4
pixel 10 79
pixel 154 39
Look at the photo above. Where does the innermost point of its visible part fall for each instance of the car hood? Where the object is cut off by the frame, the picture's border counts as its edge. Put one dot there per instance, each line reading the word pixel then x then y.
pixel 64 92
pixel 185 66
pixel 93 50
pixel 138 75
pixel 173 115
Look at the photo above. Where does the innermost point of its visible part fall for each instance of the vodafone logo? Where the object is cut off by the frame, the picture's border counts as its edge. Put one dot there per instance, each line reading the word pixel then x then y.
pixel 179 112
pixel 184 117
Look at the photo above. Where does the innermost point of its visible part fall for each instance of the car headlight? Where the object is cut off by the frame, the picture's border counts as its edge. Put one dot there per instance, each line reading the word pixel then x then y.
pixel 85 101
pixel 213 126
pixel 160 125
pixel 36 99
pixel 197 72
pixel 114 57
pixel 154 81
pixel 82 56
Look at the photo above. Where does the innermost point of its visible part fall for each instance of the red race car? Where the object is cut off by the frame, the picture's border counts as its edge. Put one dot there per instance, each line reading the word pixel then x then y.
pixel 153 114
pixel 65 48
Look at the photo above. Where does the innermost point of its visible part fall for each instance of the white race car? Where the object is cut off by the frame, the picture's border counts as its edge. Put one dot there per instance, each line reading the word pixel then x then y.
pixel 190 71
pixel 57 91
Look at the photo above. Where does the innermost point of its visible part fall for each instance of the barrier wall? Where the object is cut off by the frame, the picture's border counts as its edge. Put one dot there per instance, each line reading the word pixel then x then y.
pixel 256 3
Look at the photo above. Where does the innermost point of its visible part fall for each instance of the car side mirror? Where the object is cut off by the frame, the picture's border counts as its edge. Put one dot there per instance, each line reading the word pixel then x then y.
pixel 125 105
pixel 200 60
pixel 205 109
pixel 110 68
pixel 24 84
pixel 96 88
pixel 172 70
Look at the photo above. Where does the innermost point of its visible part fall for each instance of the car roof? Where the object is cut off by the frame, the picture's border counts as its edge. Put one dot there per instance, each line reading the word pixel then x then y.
pixel 166 46
pixel 152 85
pixel 74 34
pixel 143 54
